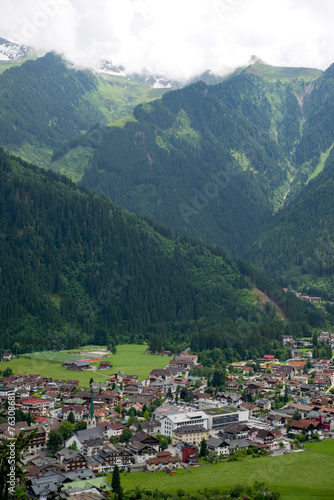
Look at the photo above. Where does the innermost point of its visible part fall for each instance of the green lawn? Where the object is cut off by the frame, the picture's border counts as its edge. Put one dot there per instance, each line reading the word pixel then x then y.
pixel 130 359
pixel 326 446
pixel 55 356
pixel 47 368
pixel 297 476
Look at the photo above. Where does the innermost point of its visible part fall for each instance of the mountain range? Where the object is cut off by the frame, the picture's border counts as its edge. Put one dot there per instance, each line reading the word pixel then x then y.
pixel 77 269
pixel 243 163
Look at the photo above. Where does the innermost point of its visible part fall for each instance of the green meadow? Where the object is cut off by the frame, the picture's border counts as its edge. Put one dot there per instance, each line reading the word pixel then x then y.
pixel 326 447
pixel 130 359
pixel 298 476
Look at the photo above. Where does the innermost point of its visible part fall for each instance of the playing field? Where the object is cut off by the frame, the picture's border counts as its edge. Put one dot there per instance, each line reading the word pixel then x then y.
pixel 130 359
pixel 55 356
pixel 297 476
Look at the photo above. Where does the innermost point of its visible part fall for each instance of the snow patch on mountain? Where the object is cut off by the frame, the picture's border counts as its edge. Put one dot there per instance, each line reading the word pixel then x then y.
pixel 153 81
pixel 10 51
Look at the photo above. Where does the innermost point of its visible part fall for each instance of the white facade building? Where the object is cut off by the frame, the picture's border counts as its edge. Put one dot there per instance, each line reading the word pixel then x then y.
pixel 171 422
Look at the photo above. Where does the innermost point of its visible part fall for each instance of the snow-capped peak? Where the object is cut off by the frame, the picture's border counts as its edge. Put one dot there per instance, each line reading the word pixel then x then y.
pixel 10 51
pixel 153 81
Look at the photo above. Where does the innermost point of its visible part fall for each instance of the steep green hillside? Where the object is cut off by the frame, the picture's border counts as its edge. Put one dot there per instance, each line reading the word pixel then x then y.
pixel 45 102
pixel 76 269
pixel 213 162
pixel 298 247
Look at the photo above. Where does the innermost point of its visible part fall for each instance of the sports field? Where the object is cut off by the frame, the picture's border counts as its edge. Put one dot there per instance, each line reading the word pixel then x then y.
pixel 298 476
pixel 130 359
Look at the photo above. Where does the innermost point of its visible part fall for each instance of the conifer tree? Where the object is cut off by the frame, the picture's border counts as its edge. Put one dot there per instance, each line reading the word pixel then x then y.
pixel 116 483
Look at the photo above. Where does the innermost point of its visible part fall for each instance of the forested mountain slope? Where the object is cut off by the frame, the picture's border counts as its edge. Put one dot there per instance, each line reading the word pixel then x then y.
pixel 298 247
pixel 75 268
pixel 45 102
pixel 210 161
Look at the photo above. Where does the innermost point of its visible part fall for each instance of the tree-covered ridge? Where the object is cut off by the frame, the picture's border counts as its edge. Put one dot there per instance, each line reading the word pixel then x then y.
pixel 76 269
pixel 44 101
pixel 298 246
pixel 170 163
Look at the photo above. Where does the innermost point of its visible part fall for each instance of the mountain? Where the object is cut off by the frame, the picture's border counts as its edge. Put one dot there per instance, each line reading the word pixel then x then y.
pixel 10 51
pixel 153 81
pixel 297 247
pixel 213 162
pixel 75 268
pixel 210 161
pixel 46 101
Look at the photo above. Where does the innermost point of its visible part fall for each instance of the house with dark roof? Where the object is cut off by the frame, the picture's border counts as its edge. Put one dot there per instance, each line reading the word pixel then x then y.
pixel 145 439
pixel 261 437
pixel 240 431
pixel 115 455
pixel 76 365
pixel 71 459
pixel 81 437
pixel 152 427
pixel 46 486
pixel 221 446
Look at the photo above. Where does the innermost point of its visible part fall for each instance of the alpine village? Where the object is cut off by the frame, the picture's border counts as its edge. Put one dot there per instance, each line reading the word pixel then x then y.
pixel 166 283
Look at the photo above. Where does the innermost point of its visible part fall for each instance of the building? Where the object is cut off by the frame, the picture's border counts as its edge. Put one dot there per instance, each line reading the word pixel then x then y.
pixel 171 422
pixel 189 434
pixel 219 418
pixel 76 365
pixel 221 446
pixel 163 461
pixel 36 406
pixel 188 453
pixel 91 421
pixel 115 455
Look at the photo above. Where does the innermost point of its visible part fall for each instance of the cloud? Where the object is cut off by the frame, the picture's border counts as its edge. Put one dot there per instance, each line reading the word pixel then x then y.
pixel 178 38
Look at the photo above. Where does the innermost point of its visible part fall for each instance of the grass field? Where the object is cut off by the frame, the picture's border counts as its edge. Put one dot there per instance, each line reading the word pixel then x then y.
pixel 297 476
pixel 130 359
pixel 55 356
pixel 326 447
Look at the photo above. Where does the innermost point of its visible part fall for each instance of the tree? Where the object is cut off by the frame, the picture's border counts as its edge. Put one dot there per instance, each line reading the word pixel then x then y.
pixel 116 483
pixel 10 461
pixel 315 339
pixel 169 394
pixel 73 446
pixel 80 426
pixel 91 381
pixel 203 450
pixel 177 392
pixel 296 415
pixel 163 443
pixel 213 455
pixel 71 417
pixel 126 435
pixel 66 430
pixel 55 440
pixel 7 372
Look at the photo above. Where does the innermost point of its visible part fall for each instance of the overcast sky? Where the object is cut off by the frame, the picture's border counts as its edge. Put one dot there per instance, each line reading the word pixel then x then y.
pixel 176 38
